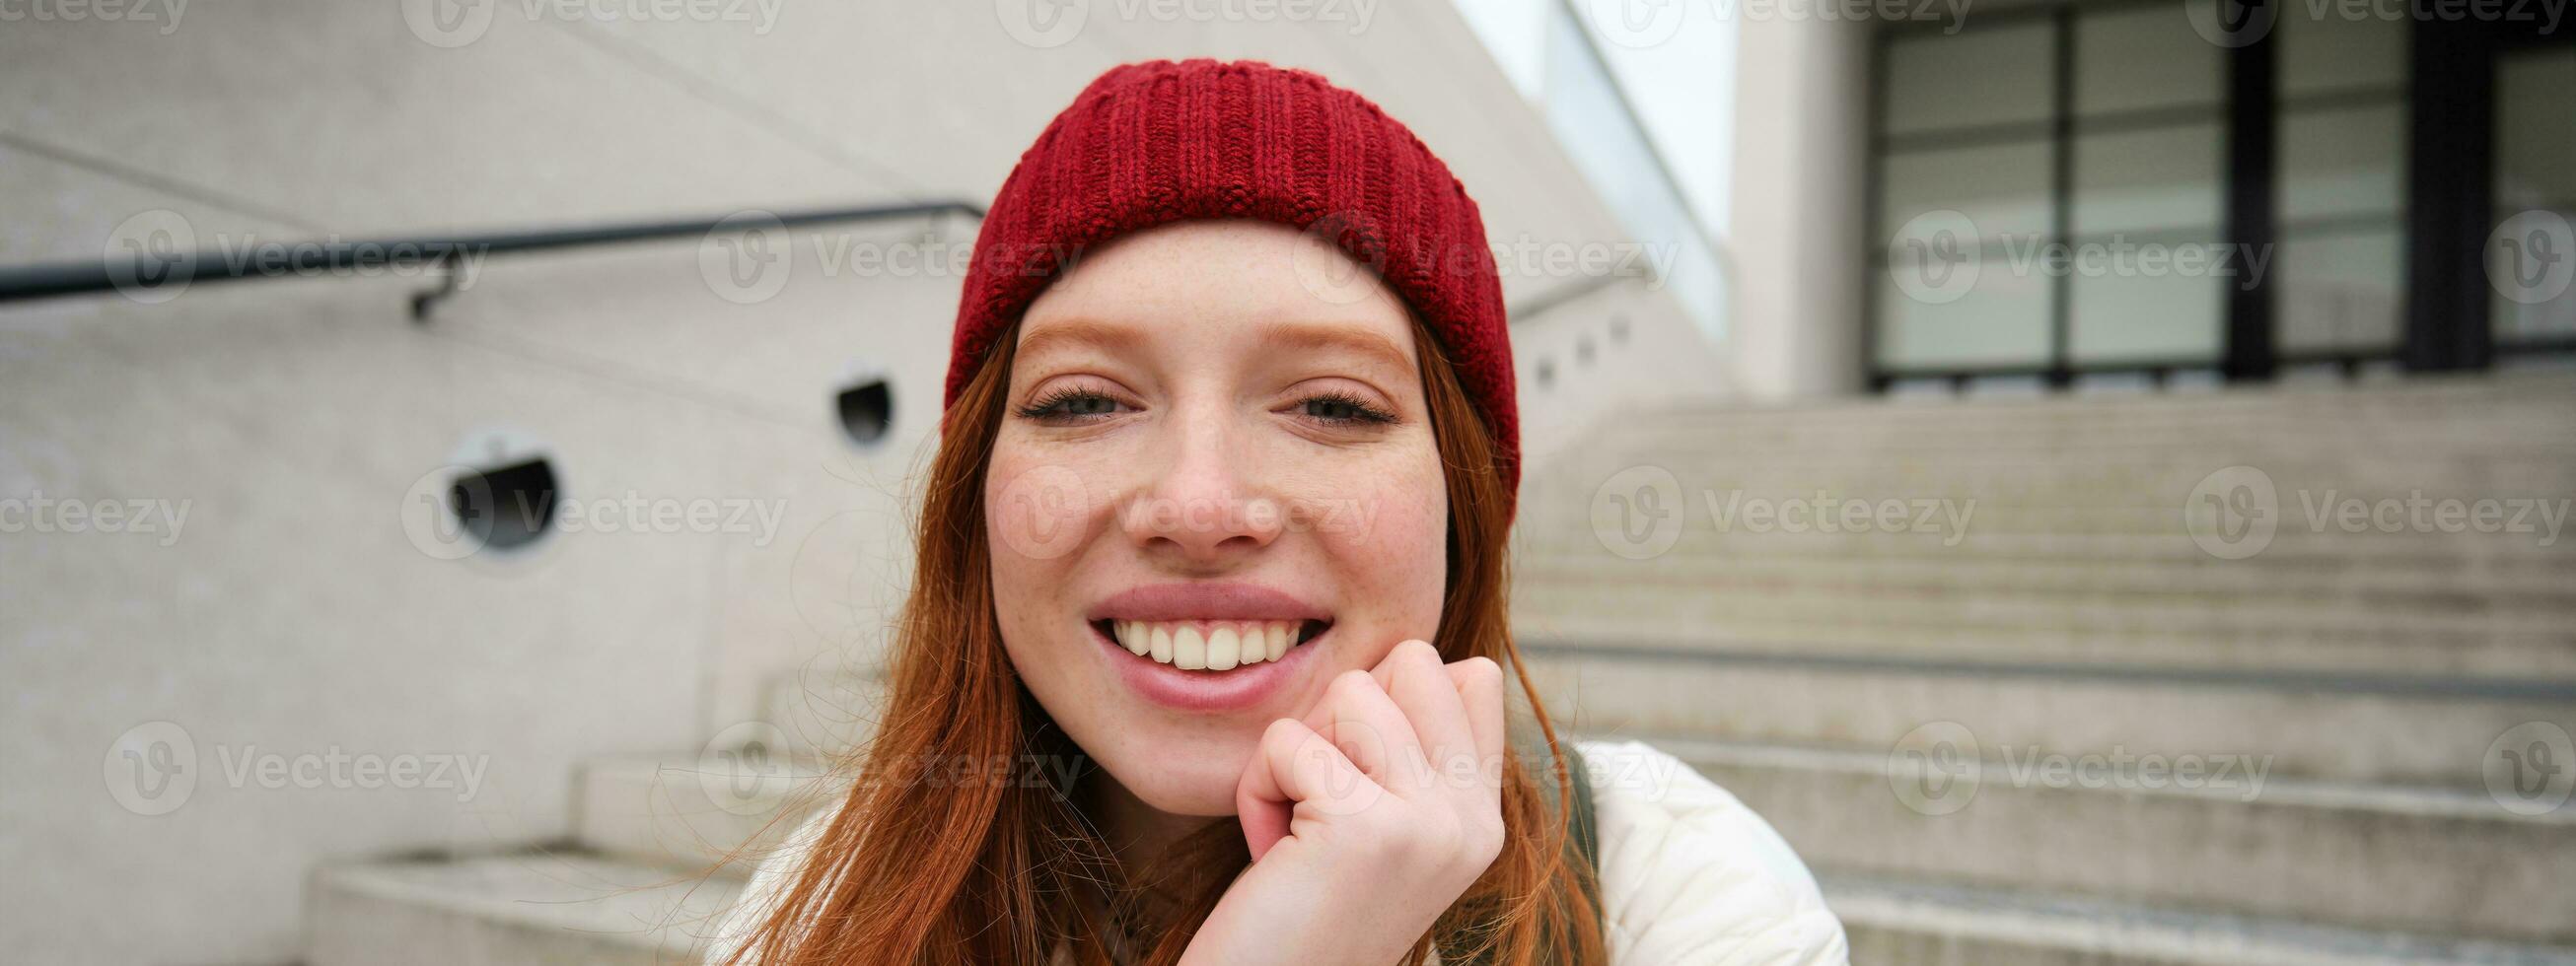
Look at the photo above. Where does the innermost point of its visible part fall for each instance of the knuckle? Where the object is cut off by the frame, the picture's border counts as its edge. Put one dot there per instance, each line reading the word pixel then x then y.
pixel 1351 681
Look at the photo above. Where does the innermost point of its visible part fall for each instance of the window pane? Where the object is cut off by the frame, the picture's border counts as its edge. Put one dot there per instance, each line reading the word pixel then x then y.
pixel 2536 129
pixel 2146 58
pixel 2334 53
pixel 1976 77
pixel 2341 162
pixel 2002 188
pixel 2137 310
pixel 2340 291
pixel 2136 181
pixel 2529 272
pixel 2001 320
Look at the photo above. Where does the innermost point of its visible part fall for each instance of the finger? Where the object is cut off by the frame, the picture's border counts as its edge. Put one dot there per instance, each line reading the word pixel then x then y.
pixel 1480 690
pixel 1356 715
pixel 1423 689
pixel 1295 766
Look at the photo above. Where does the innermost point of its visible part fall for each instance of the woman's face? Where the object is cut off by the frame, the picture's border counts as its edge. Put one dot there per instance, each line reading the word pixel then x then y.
pixel 1215 487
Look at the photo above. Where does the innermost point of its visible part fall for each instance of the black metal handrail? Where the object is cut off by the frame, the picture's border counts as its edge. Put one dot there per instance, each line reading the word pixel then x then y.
pixel 21 283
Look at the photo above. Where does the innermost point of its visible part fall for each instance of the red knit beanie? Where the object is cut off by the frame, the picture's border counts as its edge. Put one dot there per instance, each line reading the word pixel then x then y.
pixel 1153 143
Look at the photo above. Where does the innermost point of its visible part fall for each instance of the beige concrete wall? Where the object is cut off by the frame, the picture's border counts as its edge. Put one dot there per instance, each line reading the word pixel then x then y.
pixel 294 619
pixel 1801 146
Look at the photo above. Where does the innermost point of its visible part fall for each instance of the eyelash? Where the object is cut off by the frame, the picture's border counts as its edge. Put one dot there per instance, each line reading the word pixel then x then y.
pixel 1044 407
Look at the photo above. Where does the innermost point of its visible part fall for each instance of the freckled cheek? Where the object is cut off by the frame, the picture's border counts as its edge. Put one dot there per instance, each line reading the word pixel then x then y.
pixel 1392 547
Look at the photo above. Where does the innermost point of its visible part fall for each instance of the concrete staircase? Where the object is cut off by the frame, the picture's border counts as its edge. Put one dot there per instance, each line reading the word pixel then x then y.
pixel 1913 710
pixel 1978 735
pixel 643 879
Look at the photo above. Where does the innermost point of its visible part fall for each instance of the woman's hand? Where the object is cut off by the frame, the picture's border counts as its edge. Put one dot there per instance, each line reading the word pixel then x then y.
pixel 1368 817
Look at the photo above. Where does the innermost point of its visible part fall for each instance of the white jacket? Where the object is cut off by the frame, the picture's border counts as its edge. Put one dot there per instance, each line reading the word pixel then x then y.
pixel 1689 876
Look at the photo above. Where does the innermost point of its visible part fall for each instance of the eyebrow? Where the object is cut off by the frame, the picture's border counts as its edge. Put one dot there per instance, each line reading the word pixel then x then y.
pixel 1287 336
pixel 1312 336
pixel 1084 333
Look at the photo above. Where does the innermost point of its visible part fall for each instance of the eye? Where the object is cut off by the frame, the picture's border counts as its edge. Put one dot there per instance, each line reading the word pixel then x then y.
pixel 1071 404
pixel 1343 409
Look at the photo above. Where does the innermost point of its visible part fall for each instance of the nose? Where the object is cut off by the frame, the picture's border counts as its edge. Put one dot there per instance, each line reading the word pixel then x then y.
pixel 1210 502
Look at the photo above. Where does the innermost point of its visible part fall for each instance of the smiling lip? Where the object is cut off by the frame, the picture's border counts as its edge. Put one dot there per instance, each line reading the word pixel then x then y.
pixel 1229 601
pixel 1245 686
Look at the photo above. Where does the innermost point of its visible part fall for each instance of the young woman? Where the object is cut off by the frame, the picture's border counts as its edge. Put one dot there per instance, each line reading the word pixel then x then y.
pixel 1204 657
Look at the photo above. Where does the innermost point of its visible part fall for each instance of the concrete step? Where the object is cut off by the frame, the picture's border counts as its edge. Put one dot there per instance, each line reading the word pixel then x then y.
pixel 2206 580
pixel 1897 922
pixel 2376 406
pixel 523 908
pixel 2500 433
pixel 2223 838
pixel 690 811
pixel 2417 731
pixel 1681 598
pixel 2189 642
pixel 2291 547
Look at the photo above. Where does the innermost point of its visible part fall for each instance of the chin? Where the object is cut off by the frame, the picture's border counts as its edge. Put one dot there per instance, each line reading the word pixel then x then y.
pixel 1199 782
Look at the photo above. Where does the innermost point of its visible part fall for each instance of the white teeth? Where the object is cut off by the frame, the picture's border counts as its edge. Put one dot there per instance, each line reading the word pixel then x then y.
pixel 1224 648
pixel 1132 637
pixel 1206 645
